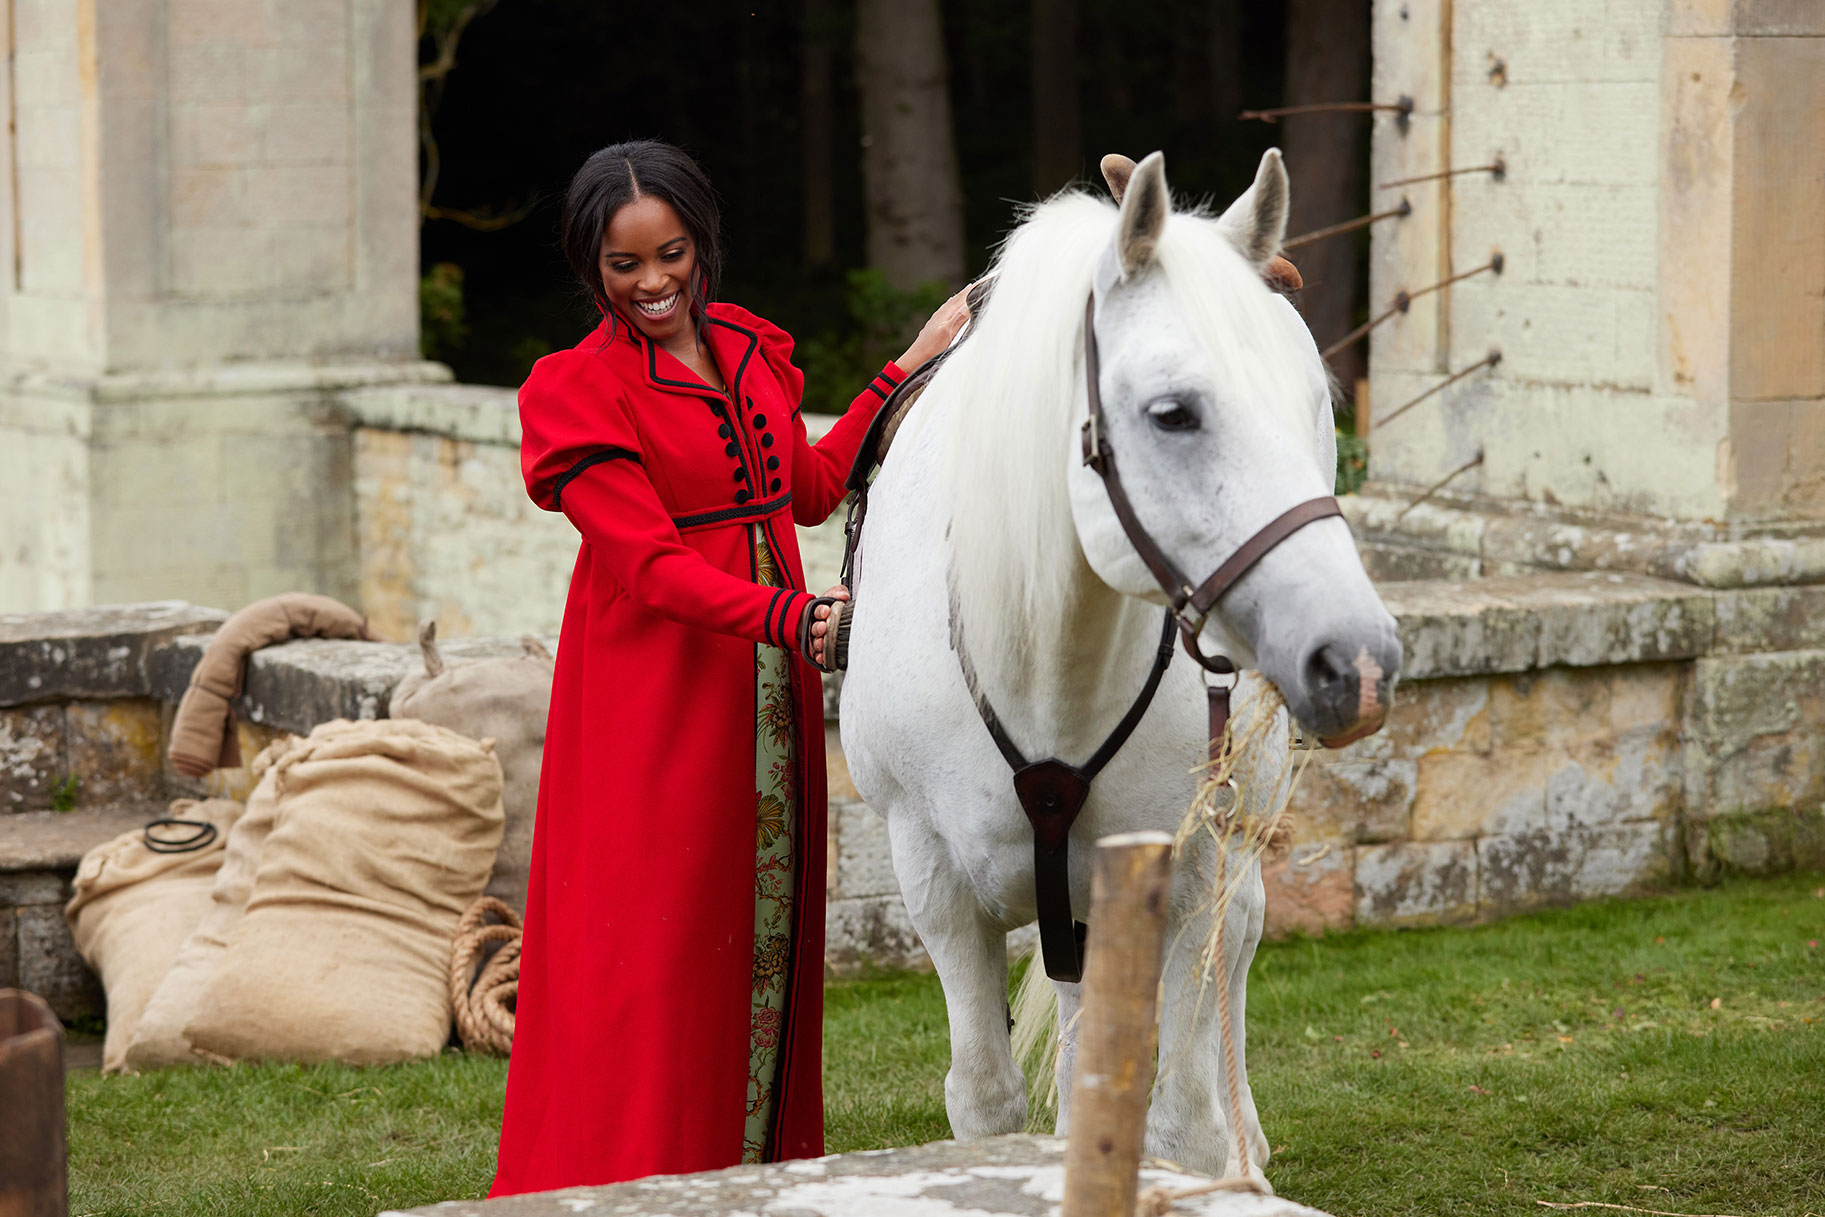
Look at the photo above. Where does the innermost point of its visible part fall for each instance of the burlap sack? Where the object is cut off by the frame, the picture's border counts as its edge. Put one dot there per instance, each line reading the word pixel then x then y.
pixel 159 1040
pixel 504 700
pixel 133 907
pixel 384 833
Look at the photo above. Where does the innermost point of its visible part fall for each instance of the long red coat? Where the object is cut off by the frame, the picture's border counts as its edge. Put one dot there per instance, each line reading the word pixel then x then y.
pixel 630 1054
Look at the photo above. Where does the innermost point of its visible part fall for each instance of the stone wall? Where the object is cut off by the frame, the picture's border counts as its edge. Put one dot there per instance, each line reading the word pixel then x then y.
pixel 1555 738
pixel 1658 311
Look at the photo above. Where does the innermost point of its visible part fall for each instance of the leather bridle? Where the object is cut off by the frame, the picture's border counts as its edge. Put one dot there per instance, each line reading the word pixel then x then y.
pixel 1052 792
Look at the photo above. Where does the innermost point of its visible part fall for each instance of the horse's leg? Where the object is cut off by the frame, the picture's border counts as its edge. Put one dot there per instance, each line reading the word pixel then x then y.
pixel 1070 1002
pixel 1189 1119
pixel 985 1094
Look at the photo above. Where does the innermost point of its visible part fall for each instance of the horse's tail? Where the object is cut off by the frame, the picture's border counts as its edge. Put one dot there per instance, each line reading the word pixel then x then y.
pixel 1036 1038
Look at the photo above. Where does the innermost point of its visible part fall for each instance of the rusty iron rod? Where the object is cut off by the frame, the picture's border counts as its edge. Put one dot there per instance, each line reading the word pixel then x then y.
pixel 1439 485
pixel 1498 168
pixel 1319 234
pixel 1403 107
pixel 1403 299
pixel 1488 361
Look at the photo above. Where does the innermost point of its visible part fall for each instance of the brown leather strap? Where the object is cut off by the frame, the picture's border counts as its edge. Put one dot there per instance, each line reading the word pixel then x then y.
pixel 1256 547
pixel 1052 793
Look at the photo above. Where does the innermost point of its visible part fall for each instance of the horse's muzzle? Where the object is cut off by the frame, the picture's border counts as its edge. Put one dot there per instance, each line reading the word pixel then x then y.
pixel 1348 690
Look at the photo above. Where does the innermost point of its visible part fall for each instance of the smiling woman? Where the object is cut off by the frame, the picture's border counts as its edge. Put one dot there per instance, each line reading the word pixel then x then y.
pixel 671 982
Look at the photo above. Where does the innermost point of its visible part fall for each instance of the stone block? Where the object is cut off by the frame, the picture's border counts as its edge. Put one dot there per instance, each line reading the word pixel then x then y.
pixel 1352 799
pixel 1636 776
pixel 1439 715
pixel 50 966
pixel 32 887
pixel 1646 697
pixel 1452 629
pixel 32 757
pixel 116 750
pixel 1310 890
pixel 1767 842
pixel 989 1177
pixel 1786 770
pixel 1770 619
pixel 1551 709
pixel 1416 883
pixel 1460 795
pixel 1519 871
pixel 870 932
pixel 1608 618
pixel 56 840
pixel 864 858
pixel 91 653
pixel 1387 563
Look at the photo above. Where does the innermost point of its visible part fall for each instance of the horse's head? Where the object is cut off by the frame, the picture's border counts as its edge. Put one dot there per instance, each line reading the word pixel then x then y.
pixel 1218 404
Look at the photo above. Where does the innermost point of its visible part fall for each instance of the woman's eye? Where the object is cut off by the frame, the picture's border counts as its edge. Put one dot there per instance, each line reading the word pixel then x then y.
pixel 674 255
pixel 1172 415
pixel 621 268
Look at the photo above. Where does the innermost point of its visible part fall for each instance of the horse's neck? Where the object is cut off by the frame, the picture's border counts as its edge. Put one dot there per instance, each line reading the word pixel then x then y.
pixel 1061 679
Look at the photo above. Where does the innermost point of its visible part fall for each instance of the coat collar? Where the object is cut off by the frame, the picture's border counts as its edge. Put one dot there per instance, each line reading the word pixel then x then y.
pixel 731 345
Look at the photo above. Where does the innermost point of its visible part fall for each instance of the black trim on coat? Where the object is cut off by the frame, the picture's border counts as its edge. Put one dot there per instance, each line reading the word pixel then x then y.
pixel 747 511
pixel 595 458
pixel 766 625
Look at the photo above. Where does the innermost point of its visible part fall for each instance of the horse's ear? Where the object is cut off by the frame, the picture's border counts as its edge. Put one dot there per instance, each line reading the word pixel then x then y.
pixel 1256 222
pixel 1145 205
pixel 1117 169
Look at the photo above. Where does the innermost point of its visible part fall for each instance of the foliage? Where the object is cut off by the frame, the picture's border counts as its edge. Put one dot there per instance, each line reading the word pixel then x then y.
pixel 63 793
pixel 1352 461
pixel 441 327
pixel 1661 1053
pixel 882 320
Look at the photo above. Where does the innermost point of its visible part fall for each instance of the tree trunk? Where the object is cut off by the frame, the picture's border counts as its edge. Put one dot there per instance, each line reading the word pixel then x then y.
pixel 909 155
pixel 1057 136
pixel 817 124
pixel 1327 59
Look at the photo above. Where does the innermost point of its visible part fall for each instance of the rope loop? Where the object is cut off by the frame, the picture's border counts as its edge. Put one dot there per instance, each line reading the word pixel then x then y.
pixel 483 994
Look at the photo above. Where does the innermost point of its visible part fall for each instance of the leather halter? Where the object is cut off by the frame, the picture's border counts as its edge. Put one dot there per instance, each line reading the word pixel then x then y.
pixel 1051 792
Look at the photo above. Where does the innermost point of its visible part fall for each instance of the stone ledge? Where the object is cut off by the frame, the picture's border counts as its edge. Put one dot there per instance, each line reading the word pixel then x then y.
pixel 91 653
pixel 57 840
pixel 1522 623
pixel 1012 1176
pixel 1467 537
pixel 296 685
pixel 482 414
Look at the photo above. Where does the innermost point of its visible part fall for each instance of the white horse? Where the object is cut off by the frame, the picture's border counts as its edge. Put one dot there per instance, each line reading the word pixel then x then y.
pixel 985 518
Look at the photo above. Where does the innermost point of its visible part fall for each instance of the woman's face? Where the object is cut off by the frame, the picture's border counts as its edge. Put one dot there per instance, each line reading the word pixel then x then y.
pixel 647 261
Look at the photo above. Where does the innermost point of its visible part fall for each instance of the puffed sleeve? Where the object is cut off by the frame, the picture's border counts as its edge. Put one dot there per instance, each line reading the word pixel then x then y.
pixel 581 454
pixel 819 470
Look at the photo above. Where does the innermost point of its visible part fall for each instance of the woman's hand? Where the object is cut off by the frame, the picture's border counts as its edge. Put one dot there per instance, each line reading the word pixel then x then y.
pixel 938 332
pixel 820 624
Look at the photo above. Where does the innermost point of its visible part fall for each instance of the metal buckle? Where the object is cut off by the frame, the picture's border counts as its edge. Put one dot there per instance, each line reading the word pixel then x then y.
pixel 1093 444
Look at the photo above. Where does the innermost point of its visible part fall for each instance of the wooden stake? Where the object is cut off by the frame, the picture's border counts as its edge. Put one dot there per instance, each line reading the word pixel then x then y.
pixel 1119 1029
pixel 32 1151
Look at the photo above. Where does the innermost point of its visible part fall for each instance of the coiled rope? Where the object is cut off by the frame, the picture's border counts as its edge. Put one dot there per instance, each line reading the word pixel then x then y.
pixel 482 994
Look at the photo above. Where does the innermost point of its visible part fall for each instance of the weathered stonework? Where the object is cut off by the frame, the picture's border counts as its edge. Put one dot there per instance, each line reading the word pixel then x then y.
pixel 1012 1176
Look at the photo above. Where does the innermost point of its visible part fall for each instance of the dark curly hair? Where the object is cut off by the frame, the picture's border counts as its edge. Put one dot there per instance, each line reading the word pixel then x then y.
pixel 616 176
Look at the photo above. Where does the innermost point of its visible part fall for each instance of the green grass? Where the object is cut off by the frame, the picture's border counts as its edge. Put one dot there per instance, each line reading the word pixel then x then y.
pixel 1569 1056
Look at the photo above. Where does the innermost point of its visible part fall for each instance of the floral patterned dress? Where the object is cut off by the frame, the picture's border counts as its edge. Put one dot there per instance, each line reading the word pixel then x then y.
pixel 775 764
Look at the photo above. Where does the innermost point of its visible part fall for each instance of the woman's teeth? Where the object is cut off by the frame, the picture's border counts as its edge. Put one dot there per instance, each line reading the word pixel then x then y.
pixel 658 308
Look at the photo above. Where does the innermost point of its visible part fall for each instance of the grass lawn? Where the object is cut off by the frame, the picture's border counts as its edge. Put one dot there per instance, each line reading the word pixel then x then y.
pixel 1667 1054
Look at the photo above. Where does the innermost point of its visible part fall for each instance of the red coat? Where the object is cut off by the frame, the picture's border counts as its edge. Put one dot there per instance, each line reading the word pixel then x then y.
pixel 630 1053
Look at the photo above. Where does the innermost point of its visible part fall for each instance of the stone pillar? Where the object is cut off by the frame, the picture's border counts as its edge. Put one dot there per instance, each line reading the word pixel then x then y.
pixel 210 232
pixel 1661 309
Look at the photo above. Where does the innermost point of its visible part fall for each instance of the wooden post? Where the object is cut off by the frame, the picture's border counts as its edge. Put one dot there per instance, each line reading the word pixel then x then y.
pixel 1119 1028
pixel 32 1150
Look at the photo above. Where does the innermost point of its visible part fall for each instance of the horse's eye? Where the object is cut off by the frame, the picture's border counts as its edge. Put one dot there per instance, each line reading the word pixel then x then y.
pixel 1170 414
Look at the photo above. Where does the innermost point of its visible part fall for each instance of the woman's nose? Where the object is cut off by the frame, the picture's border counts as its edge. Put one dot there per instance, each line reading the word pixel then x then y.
pixel 652 279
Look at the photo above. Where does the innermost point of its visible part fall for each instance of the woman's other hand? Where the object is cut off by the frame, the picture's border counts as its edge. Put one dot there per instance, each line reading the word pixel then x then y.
pixel 820 623
pixel 942 326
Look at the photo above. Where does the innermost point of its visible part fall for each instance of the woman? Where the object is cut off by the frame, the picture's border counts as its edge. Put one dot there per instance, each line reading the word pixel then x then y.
pixel 671 985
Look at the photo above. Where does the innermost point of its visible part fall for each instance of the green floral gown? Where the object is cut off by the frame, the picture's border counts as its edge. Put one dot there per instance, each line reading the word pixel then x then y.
pixel 776 803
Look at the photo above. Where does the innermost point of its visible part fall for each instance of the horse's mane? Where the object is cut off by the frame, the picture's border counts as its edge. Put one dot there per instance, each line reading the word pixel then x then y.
pixel 1012 391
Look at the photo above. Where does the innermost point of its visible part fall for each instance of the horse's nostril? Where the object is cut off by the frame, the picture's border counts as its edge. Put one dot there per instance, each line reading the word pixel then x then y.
pixel 1324 670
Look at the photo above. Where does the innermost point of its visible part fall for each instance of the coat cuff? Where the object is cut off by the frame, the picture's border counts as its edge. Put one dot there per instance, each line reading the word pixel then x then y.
pixel 886 380
pixel 784 616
